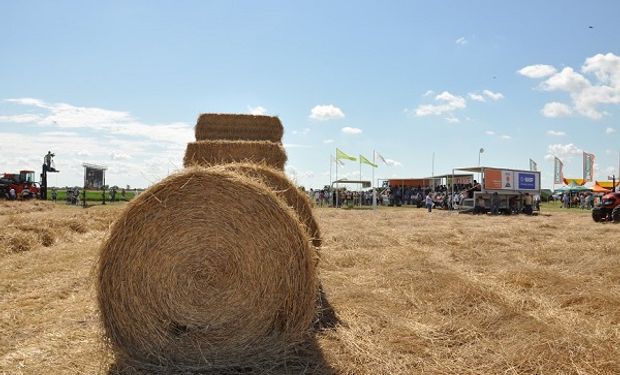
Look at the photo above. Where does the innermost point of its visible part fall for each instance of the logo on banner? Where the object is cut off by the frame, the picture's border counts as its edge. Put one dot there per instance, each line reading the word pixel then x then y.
pixel 527 181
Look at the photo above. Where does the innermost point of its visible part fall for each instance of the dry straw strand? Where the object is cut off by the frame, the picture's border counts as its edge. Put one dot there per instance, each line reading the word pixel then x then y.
pixel 208 153
pixel 220 126
pixel 222 274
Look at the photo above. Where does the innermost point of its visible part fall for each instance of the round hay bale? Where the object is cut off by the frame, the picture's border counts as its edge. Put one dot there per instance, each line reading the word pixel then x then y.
pixel 206 153
pixel 219 126
pixel 207 268
pixel 285 189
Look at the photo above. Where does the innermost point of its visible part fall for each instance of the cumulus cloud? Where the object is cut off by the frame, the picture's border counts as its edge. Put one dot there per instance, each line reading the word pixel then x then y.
pixel 562 151
pixel 326 112
pixel 556 133
pixel 448 103
pixel 393 163
pixel 505 136
pixel 257 111
pixel 137 153
pixel 555 109
pixel 476 97
pixel 351 131
pixel 67 116
pixel 452 119
pixel 461 41
pixel 328 141
pixel 489 132
pixel 303 131
pixel 610 131
pixel 120 156
pixel 537 71
pixel 495 96
pixel 20 119
pixel 586 94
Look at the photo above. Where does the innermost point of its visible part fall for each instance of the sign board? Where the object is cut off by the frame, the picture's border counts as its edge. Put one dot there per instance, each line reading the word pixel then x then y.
pixel 94 176
pixel 527 181
pixel 499 179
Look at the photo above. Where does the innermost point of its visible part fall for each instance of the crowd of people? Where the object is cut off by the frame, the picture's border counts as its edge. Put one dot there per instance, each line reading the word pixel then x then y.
pixel 440 196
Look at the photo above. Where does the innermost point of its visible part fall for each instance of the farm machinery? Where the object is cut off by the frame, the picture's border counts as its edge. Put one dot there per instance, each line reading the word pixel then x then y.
pixel 609 209
pixel 21 183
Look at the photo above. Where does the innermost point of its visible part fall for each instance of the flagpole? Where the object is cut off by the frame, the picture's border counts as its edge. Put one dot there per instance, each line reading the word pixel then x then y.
pixel 337 184
pixel 361 178
pixel 372 183
pixel 331 161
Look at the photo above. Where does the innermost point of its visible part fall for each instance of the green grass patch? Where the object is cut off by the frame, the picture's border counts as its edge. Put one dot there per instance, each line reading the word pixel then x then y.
pixel 92 196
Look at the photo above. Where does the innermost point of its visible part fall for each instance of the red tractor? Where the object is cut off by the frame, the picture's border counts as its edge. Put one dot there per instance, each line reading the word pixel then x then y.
pixel 23 183
pixel 609 209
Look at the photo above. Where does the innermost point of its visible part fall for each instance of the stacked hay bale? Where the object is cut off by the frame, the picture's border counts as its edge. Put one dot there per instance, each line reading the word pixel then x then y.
pixel 214 266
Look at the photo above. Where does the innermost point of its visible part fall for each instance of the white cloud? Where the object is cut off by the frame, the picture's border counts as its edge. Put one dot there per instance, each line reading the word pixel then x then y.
pixel 452 119
pixel 489 132
pixel 555 109
pixel 136 153
pixel 588 95
pixel 20 119
pixel 328 141
pixel 29 101
pixel 504 136
pixel 610 131
pixel 556 133
pixel 393 163
pixel 294 145
pixel 566 80
pixel 562 151
pixel 495 96
pixel 537 71
pixel 303 131
pixel 429 93
pixel 120 156
pixel 461 41
pixel 257 111
pixel 351 131
pixel 66 116
pixel 476 97
pixel 448 104
pixel 326 112
pixel 298 176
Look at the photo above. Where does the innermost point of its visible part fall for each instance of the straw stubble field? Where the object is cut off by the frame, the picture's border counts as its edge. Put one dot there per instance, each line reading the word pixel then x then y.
pixel 416 292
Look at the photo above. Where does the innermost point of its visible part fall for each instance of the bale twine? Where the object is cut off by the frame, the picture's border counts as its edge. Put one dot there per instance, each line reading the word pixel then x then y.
pixel 217 126
pixel 207 153
pixel 208 269
pixel 285 189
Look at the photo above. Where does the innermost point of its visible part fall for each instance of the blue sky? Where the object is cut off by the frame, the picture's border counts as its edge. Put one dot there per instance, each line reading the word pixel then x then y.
pixel 121 83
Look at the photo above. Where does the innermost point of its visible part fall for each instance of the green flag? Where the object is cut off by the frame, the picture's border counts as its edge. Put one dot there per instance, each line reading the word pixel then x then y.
pixel 366 161
pixel 342 155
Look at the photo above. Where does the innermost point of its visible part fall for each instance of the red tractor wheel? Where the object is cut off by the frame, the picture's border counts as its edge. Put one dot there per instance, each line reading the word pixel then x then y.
pixel 615 214
pixel 598 214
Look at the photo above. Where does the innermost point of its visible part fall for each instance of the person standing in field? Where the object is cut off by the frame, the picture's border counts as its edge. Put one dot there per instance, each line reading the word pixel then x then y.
pixel 495 203
pixel 54 195
pixel 527 203
pixel 429 202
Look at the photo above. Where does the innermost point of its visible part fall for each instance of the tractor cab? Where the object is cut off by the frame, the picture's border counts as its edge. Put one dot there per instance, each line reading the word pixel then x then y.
pixel 26 177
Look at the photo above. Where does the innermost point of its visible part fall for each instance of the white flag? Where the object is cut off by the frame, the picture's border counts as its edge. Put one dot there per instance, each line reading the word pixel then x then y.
pixel 378 156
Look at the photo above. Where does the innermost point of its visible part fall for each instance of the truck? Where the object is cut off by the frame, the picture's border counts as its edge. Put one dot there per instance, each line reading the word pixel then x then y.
pixel 509 187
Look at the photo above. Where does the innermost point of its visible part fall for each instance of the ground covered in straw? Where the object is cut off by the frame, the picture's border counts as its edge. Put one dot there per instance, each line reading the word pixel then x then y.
pixel 416 292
